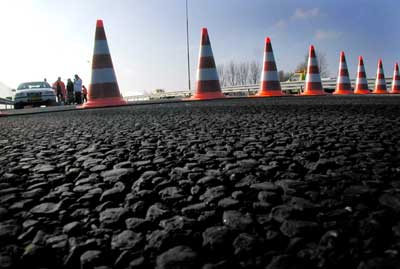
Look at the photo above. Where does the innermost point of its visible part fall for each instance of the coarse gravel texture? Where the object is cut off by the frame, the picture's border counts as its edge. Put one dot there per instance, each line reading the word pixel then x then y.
pixel 296 182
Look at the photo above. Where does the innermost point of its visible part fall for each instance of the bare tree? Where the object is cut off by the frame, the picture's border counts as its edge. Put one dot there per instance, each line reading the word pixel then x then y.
pixel 222 75
pixel 254 73
pixel 231 70
pixel 242 72
pixel 322 64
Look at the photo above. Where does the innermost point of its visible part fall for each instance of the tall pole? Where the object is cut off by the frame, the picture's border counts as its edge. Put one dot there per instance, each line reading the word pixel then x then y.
pixel 187 44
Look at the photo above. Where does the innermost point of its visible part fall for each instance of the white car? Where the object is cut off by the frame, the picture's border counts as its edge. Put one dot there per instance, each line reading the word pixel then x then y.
pixel 34 94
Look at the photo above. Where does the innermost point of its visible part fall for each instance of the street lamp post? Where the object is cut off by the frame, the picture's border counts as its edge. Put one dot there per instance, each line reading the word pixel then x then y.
pixel 187 44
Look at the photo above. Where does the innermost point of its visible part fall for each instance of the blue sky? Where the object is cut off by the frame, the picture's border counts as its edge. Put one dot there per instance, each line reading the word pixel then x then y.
pixel 44 38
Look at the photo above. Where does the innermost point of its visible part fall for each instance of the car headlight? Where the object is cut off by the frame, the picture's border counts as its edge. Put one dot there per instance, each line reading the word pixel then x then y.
pixel 20 94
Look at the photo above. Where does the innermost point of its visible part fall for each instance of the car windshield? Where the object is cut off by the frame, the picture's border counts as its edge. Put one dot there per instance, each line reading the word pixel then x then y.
pixel 33 85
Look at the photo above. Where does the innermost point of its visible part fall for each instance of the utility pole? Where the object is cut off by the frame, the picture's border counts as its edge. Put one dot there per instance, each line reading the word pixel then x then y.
pixel 187 44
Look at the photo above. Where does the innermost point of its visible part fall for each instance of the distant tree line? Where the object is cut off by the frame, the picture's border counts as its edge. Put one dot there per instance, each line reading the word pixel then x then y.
pixel 242 73
pixel 246 73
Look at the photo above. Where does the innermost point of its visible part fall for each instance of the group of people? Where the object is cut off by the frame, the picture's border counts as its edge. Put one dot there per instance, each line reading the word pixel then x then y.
pixel 74 93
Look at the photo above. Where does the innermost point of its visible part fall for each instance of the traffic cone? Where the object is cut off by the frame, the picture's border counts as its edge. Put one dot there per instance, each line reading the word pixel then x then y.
pixel 396 80
pixel 380 82
pixel 207 82
pixel 103 89
pixel 313 85
pixel 361 80
pixel 270 85
pixel 343 85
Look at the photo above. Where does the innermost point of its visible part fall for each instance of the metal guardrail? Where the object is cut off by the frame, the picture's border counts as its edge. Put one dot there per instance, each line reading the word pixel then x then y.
pixel 5 101
pixel 290 87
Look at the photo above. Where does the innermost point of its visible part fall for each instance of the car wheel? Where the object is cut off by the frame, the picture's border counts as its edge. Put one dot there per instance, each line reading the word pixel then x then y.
pixel 52 103
pixel 18 106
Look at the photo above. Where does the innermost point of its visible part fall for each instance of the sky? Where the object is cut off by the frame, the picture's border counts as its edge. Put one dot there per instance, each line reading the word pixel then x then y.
pixel 147 38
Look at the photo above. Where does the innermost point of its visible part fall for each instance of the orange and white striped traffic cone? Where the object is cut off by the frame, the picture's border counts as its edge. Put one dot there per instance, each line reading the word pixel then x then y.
pixel 207 81
pixel 396 80
pixel 380 82
pixel 270 85
pixel 313 84
pixel 343 85
pixel 103 89
pixel 361 86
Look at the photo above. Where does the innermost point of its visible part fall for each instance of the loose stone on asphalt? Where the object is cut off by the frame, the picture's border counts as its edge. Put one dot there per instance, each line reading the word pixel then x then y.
pixel 245 183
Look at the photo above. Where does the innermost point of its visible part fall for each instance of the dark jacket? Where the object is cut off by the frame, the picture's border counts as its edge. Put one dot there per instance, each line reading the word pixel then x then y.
pixel 70 86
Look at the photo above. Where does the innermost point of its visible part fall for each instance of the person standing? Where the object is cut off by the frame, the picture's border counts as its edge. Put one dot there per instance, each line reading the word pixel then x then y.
pixel 70 92
pixel 84 93
pixel 78 89
pixel 59 87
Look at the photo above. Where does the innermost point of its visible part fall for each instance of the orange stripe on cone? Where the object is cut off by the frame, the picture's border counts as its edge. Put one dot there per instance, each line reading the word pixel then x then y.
pixel 361 86
pixel 313 85
pixel 103 90
pixel 270 85
pixel 380 82
pixel 396 80
pixel 343 85
pixel 207 81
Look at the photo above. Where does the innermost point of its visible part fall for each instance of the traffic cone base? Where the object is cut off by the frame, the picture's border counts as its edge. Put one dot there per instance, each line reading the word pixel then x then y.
pixel 110 101
pixel 208 96
pixel 103 90
pixel 380 92
pixel 207 81
pixel 339 92
pixel 313 93
pixel 314 88
pixel 270 85
pixel 269 94
pixel 313 84
pixel 360 91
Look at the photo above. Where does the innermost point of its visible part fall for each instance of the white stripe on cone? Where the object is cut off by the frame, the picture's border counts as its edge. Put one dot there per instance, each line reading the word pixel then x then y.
pixel 269 76
pixel 269 56
pixel 343 66
pixel 380 82
pixel 103 75
pixel 361 81
pixel 205 51
pixel 101 47
pixel 343 79
pixel 207 74
pixel 313 78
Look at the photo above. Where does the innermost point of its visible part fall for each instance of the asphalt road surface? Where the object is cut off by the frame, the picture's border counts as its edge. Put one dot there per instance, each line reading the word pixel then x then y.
pixel 296 182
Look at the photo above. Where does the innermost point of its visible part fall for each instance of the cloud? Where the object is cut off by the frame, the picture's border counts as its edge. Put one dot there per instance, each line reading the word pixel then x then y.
pixel 280 24
pixel 325 34
pixel 300 13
